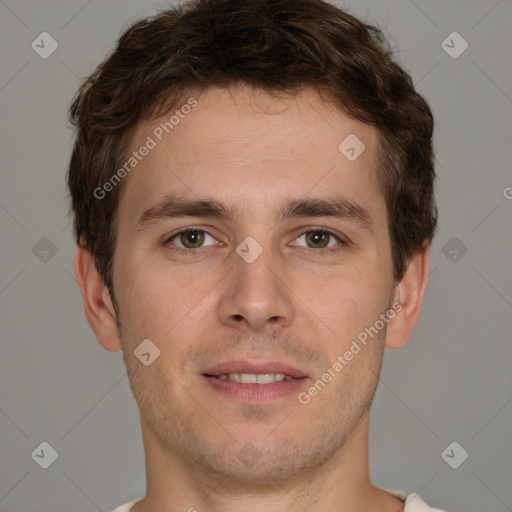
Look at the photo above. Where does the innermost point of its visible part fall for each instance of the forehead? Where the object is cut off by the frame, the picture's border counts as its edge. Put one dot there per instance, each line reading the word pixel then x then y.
pixel 252 148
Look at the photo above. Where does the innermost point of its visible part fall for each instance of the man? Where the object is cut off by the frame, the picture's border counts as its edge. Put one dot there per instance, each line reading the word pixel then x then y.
pixel 252 186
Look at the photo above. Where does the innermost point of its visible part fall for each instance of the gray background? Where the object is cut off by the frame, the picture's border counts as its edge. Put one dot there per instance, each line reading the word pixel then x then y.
pixel 452 382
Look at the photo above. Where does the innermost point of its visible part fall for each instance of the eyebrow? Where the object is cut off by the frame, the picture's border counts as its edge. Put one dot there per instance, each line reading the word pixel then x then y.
pixel 333 206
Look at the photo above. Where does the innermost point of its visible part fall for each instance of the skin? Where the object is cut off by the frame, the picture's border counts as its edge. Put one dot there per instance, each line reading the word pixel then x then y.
pixel 291 304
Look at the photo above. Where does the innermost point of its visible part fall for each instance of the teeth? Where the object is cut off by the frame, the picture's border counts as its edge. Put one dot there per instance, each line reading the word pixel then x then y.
pixel 253 378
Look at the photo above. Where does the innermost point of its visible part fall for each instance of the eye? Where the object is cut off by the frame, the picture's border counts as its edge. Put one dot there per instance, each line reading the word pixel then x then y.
pixel 190 239
pixel 320 239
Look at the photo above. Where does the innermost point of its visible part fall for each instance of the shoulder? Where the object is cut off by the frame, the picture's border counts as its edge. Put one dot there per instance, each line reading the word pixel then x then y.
pixel 126 507
pixel 413 502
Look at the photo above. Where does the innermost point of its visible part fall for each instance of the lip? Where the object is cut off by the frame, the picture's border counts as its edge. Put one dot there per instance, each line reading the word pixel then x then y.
pixel 255 393
pixel 254 367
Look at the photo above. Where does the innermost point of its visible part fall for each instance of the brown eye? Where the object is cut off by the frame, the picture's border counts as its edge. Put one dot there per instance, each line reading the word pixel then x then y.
pixel 319 239
pixel 190 239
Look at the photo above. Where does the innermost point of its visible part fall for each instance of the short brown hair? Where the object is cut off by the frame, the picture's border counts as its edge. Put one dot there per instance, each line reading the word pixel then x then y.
pixel 273 45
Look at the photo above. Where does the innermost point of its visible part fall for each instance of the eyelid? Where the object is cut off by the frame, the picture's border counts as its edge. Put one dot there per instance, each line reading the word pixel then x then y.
pixel 341 238
pixel 343 241
pixel 174 234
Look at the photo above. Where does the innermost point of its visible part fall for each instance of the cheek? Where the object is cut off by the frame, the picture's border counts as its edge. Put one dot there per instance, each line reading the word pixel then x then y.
pixel 155 299
pixel 158 299
pixel 347 304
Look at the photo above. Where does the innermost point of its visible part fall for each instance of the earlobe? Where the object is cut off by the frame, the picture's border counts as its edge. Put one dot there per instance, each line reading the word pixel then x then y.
pixel 409 294
pixel 98 306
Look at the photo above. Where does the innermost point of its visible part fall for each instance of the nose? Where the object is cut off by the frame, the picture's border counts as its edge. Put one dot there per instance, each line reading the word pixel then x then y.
pixel 256 295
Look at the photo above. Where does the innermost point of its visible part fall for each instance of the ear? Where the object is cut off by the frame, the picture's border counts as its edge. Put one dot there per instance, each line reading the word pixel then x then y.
pixel 98 306
pixel 409 294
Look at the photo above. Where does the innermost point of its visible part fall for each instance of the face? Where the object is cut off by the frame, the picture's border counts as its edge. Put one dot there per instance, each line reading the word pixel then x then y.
pixel 281 266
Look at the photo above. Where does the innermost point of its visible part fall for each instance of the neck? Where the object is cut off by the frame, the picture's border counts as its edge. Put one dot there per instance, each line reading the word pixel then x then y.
pixel 341 483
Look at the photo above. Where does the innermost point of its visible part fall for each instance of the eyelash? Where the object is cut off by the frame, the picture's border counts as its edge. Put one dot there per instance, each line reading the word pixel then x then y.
pixel 200 250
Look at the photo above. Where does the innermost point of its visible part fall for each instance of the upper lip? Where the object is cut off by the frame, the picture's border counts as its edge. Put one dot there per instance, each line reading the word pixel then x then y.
pixel 259 367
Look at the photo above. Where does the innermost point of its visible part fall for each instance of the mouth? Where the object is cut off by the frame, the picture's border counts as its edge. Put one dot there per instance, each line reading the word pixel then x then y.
pixel 253 378
pixel 255 382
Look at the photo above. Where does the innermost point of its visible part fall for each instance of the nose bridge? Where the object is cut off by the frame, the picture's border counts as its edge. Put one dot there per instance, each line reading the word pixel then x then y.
pixel 256 295
pixel 255 266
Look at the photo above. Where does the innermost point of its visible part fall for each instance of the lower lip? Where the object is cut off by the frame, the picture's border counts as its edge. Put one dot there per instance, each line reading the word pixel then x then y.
pixel 256 392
